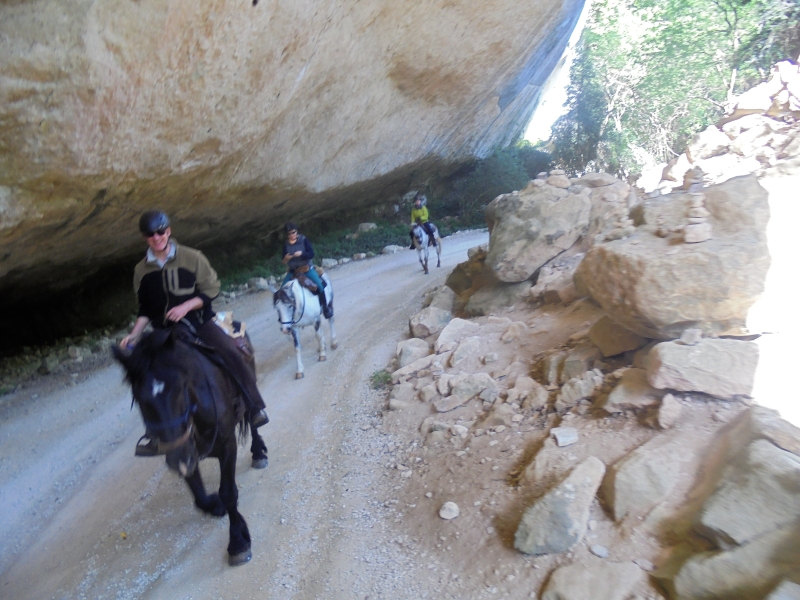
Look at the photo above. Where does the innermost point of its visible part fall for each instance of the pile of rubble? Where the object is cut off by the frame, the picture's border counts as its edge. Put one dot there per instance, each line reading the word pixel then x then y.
pixel 604 367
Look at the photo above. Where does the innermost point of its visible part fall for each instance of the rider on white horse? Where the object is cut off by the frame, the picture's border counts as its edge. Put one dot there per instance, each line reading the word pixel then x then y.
pixel 297 255
pixel 419 214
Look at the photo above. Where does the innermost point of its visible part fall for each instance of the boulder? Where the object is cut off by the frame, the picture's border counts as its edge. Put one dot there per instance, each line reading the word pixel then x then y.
pixel 669 411
pixel 635 484
pixel 708 143
pixel 763 423
pixel 558 520
pixel 467 348
pixel 748 572
pixel 577 389
pixel 656 288
pixel 465 390
pixel 632 392
pixel 578 361
pixel 409 351
pixel 364 227
pixel 785 591
pixel 429 321
pixel 759 492
pixel 593 579
pixel 613 339
pixel 722 368
pixel 391 249
pixel 443 297
pixel 401 396
pixel 555 276
pixel 501 414
pixel 494 298
pixel 530 227
pixel 455 331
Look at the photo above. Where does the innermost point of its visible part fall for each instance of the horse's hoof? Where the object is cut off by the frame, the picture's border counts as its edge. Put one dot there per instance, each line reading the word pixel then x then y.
pixel 235 560
pixel 323 358
pixel 298 375
pixel 334 345
pixel 260 463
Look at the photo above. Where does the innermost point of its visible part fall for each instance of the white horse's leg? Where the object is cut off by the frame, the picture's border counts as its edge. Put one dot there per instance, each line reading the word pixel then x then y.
pixel 297 353
pixel 438 252
pixel 334 340
pixel 321 339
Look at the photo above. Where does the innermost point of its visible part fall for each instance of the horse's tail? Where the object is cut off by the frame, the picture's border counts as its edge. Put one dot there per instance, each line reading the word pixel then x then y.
pixel 244 429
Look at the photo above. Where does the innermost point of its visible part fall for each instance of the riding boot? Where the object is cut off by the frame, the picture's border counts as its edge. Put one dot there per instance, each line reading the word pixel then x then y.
pixel 323 304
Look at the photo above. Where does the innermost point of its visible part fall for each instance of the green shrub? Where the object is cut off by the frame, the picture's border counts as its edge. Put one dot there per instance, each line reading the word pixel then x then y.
pixel 380 379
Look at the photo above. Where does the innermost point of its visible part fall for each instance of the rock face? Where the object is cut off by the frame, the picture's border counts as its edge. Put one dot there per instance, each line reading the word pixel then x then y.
pixel 530 227
pixel 658 286
pixel 270 110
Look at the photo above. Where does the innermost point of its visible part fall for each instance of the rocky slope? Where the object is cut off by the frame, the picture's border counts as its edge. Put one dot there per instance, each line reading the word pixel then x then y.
pixel 598 412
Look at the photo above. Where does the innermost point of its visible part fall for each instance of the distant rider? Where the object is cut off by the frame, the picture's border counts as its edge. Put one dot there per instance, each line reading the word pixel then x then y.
pixel 297 256
pixel 419 214
pixel 175 284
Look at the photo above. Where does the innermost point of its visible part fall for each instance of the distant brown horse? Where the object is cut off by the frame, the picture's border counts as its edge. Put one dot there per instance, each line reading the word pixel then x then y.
pixel 191 407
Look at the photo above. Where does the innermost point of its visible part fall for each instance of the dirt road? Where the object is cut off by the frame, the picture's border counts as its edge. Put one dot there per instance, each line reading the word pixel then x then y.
pixel 83 518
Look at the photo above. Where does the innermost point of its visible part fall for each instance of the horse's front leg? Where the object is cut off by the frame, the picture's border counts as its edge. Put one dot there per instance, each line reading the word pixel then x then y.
pixel 210 504
pixel 320 333
pixel 239 541
pixel 297 353
pixel 438 253
pixel 259 450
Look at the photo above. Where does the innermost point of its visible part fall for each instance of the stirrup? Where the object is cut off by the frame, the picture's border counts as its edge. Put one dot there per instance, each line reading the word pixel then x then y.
pixel 258 419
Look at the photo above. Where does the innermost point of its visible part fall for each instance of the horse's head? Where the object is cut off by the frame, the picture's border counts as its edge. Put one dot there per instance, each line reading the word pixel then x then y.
pixel 284 302
pixel 156 372
pixel 419 235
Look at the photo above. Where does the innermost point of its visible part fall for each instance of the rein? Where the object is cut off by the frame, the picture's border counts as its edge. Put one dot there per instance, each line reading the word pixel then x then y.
pixel 294 307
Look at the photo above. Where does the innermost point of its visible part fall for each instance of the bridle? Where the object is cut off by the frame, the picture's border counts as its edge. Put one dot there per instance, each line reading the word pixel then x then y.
pixel 293 301
pixel 153 427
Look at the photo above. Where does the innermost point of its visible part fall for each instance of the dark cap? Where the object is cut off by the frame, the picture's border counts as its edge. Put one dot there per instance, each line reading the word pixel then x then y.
pixel 153 220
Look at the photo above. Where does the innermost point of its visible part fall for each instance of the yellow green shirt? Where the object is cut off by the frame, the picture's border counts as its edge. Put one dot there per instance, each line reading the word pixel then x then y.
pixel 419 213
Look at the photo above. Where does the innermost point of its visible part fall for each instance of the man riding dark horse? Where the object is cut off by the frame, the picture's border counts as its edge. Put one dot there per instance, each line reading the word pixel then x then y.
pixel 297 256
pixel 419 216
pixel 176 284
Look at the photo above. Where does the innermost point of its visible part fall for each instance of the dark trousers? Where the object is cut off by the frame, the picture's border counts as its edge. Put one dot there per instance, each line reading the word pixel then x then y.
pixel 213 335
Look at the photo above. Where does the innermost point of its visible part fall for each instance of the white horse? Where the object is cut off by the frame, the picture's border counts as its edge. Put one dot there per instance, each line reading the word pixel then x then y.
pixel 421 241
pixel 298 307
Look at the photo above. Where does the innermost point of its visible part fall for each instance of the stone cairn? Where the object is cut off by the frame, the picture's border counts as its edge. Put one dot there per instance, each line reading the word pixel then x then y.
pixel 698 229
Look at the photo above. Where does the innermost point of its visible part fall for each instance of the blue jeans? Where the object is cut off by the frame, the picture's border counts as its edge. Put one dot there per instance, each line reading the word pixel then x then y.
pixel 311 274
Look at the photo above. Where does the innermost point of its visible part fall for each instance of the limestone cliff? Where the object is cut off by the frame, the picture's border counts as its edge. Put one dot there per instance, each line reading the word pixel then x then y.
pixel 235 115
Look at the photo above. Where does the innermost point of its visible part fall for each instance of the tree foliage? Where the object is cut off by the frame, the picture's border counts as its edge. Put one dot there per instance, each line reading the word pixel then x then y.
pixel 650 73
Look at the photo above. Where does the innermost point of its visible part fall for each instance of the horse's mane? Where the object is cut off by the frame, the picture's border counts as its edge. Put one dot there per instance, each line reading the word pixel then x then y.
pixel 164 349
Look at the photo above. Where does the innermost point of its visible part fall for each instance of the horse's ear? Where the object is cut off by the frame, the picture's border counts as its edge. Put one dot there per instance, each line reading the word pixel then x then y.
pixel 122 357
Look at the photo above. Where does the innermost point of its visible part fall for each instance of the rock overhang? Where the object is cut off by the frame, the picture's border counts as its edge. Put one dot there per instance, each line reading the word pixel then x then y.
pixel 231 116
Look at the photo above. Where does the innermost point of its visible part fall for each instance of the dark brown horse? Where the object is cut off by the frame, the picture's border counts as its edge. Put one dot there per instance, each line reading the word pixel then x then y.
pixel 191 407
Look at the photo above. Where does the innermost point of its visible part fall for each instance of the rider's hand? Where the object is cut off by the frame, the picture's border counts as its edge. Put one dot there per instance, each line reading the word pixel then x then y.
pixel 129 341
pixel 287 257
pixel 298 253
pixel 176 313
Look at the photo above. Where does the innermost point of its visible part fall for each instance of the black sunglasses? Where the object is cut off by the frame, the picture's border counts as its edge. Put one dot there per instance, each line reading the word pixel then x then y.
pixel 157 231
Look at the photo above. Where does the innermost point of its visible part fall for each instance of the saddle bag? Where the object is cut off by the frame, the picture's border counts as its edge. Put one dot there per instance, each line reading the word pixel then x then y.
pixel 306 282
pixel 236 330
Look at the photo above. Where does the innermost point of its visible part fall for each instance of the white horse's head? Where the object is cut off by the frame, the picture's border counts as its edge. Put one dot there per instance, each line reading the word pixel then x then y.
pixel 284 301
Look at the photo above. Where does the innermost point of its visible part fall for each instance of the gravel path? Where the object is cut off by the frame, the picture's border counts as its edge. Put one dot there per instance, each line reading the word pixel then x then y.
pixel 83 518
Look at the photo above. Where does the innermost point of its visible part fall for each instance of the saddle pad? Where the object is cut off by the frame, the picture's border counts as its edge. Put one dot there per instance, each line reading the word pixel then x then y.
pixel 235 329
